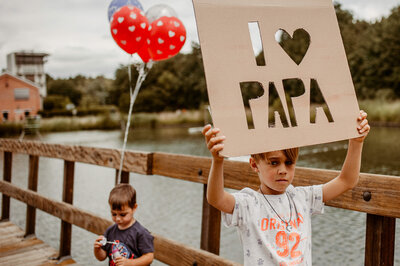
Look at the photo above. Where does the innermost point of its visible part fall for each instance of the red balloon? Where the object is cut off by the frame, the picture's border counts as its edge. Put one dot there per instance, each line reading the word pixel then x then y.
pixel 167 36
pixel 129 28
pixel 144 52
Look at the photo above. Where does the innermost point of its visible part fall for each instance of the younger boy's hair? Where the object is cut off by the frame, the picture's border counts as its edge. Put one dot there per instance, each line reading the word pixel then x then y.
pixel 121 195
pixel 292 154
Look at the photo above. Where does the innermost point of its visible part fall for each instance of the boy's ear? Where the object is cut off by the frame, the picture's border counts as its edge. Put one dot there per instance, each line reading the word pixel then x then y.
pixel 253 164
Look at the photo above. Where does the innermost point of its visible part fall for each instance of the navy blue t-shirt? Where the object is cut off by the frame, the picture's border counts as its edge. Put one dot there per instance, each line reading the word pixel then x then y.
pixel 133 242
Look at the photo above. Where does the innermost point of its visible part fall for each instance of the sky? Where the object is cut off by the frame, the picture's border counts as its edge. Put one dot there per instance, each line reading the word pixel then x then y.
pixel 76 33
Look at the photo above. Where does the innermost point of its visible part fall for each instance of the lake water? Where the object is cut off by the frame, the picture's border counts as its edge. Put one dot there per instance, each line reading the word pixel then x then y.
pixel 173 208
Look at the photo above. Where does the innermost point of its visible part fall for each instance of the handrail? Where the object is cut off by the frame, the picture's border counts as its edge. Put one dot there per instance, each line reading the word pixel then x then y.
pixel 376 195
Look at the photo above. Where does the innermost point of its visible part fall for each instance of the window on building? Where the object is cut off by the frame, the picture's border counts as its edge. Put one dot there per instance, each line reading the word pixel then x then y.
pixel 5 115
pixel 30 77
pixel 21 94
pixel 27 113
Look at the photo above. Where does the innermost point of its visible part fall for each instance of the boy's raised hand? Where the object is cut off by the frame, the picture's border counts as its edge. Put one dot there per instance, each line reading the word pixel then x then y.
pixel 363 126
pixel 214 142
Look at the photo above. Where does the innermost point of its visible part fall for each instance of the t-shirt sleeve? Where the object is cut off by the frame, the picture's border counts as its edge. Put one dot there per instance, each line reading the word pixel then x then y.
pixel 145 242
pixel 313 195
pixel 242 209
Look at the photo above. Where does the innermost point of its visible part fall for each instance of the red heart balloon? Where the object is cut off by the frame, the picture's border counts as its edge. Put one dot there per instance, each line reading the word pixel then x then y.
pixel 129 28
pixel 167 36
pixel 144 52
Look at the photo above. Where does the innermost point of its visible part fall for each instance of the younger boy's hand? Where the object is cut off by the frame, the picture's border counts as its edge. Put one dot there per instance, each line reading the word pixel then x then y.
pixel 214 142
pixel 97 243
pixel 120 261
pixel 363 126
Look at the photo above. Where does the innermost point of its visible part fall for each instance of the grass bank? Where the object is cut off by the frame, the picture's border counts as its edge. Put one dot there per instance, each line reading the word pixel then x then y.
pixel 108 122
pixel 381 113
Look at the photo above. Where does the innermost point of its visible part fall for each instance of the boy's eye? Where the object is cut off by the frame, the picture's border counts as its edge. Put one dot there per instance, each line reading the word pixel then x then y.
pixel 288 162
pixel 123 214
pixel 274 162
pixel 113 214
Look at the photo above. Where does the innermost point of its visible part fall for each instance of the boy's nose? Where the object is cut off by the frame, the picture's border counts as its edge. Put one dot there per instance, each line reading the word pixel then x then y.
pixel 282 170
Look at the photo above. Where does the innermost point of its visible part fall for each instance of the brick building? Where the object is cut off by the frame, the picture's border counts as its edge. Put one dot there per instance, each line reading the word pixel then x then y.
pixel 29 65
pixel 19 98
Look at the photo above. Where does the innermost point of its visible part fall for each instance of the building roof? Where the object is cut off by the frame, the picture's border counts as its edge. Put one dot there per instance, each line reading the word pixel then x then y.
pixel 20 78
pixel 30 53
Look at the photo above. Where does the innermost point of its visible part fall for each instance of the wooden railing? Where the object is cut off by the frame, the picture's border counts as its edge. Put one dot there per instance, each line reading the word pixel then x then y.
pixel 376 195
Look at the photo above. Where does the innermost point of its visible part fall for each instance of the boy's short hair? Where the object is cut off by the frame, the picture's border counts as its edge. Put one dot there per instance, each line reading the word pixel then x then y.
pixel 121 195
pixel 292 154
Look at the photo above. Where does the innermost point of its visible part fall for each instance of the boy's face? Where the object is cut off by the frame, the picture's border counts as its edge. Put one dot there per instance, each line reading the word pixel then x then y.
pixel 276 172
pixel 124 217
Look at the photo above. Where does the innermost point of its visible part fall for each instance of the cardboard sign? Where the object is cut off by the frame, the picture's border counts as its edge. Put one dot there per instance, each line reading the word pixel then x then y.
pixel 320 70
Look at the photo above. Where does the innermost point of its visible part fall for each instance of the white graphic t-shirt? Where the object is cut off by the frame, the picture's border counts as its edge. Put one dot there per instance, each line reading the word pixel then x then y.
pixel 263 234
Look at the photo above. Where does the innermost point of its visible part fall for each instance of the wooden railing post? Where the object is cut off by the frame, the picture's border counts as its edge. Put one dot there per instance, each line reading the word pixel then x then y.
pixel 379 240
pixel 67 196
pixel 124 177
pixel 210 226
pixel 32 185
pixel 5 202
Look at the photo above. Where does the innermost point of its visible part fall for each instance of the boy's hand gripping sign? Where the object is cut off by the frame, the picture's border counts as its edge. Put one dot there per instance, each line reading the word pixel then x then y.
pixel 297 92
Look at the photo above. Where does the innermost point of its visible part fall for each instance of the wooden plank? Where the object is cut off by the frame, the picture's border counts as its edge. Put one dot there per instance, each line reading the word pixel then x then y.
pixel 124 177
pixel 138 162
pixel 67 261
pixel 5 202
pixel 384 189
pixel 62 210
pixel 32 185
pixel 16 250
pixel 379 240
pixel 173 253
pixel 210 226
pixel 181 167
pixel 67 197
pixel 33 256
pixel 23 246
pixel 14 247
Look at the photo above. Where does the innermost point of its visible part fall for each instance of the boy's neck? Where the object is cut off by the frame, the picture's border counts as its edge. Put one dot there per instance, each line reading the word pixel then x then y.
pixel 269 191
pixel 129 225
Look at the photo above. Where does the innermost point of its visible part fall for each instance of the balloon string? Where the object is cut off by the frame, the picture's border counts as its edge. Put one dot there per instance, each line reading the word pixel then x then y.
pixel 142 69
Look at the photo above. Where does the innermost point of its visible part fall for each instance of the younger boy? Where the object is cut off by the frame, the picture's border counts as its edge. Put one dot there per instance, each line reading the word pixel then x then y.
pixel 128 242
pixel 274 222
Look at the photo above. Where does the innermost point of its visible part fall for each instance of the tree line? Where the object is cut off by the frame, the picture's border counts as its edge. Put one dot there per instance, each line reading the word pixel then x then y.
pixel 372 49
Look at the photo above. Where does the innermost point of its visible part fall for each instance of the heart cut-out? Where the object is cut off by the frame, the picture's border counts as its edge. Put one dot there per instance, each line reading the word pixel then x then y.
pixel 296 47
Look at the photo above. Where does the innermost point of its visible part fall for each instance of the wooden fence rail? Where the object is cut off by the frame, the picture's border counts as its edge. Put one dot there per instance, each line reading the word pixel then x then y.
pixel 376 195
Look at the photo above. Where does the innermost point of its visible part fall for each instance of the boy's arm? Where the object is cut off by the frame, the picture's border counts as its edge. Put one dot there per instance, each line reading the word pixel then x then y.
pixel 99 253
pixel 216 195
pixel 348 177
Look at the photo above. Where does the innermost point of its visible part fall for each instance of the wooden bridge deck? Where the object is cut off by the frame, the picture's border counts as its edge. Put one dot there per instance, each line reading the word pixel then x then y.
pixel 15 249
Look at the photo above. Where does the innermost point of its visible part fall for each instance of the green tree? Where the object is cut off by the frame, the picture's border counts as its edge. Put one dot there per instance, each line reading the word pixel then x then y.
pixel 373 52
pixel 64 88
pixel 176 83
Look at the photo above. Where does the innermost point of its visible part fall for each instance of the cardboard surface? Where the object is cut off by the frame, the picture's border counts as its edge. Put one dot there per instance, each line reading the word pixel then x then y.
pixel 229 60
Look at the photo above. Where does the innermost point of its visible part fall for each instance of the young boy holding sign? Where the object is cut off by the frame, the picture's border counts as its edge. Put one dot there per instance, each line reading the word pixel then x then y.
pixel 275 221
